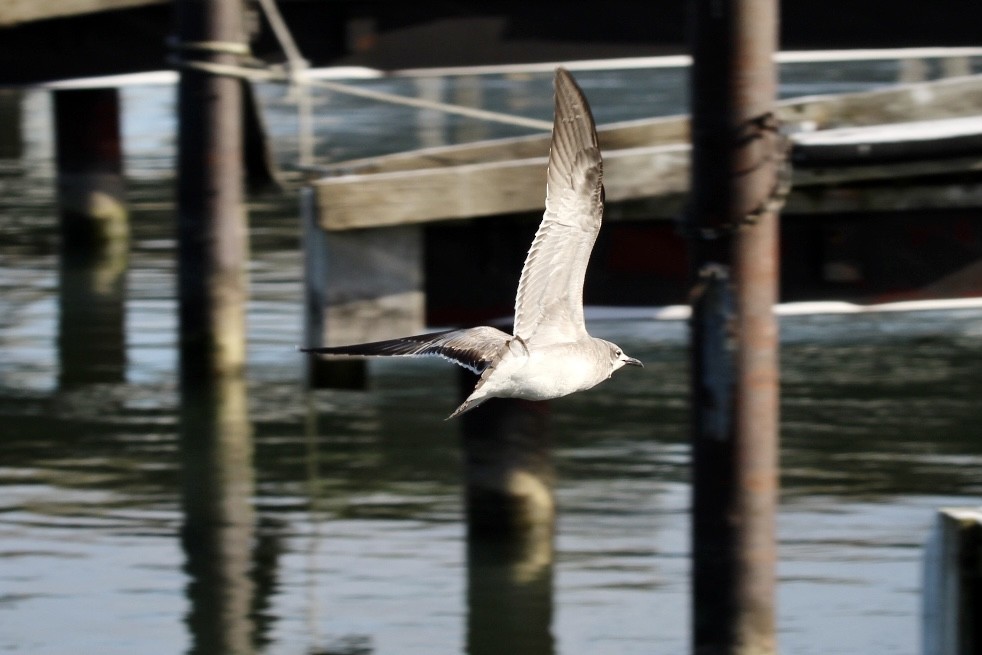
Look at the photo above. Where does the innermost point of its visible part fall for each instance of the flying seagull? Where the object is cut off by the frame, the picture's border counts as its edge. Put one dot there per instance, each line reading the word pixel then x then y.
pixel 550 353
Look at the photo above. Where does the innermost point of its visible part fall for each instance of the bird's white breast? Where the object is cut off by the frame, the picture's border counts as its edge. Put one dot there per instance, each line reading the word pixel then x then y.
pixel 545 373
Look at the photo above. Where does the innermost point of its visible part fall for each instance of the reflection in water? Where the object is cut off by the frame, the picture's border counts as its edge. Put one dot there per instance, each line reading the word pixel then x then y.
pixel 880 420
pixel 508 468
pixel 219 521
pixel 509 593
pixel 510 510
pixel 91 293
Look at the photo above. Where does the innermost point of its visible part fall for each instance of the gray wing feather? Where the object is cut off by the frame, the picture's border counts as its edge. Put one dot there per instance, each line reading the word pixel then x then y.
pixel 473 348
pixel 549 303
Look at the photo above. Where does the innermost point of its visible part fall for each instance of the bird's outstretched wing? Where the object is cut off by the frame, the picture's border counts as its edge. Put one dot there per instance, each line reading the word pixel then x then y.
pixel 473 348
pixel 549 303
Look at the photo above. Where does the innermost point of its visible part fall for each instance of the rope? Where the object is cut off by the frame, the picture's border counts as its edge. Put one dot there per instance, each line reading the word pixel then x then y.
pixel 296 65
pixel 283 36
pixel 419 103
pixel 270 74
pixel 297 77
pixel 228 70
pixel 216 47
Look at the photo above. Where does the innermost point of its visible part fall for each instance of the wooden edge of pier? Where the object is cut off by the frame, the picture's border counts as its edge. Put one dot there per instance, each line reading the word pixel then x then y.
pixel 951 97
pixel 648 160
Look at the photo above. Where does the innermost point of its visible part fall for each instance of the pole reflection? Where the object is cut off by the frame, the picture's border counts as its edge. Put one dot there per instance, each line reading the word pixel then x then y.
pixel 509 592
pixel 219 530
pixel 91 317
pixel 94 237
pixel 510 508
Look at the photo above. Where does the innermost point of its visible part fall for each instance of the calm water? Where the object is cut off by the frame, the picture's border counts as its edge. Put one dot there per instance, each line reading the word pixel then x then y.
pixel 342 513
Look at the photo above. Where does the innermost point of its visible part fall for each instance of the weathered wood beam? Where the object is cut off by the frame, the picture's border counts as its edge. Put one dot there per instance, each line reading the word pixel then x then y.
pixel 13 12
pixel 508 175
pixel 473 190
pixel 626 134
pixel 893 198
pixel 947 98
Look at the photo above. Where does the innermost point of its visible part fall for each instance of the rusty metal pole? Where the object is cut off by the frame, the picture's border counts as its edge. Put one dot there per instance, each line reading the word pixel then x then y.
pixel 733 240
pixel 212 248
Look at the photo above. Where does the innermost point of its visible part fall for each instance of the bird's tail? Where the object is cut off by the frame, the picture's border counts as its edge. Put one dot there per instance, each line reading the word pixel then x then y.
pixel 466 406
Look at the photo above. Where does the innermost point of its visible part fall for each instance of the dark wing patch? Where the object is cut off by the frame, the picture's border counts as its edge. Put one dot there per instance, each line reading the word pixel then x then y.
pixel 473 348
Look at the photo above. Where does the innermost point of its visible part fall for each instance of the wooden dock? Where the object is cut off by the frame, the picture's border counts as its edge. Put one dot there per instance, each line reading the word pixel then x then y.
pixel 883 167
pixel 646 163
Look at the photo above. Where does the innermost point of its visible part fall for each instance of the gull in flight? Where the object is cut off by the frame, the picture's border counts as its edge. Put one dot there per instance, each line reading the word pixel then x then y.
pixel 550 353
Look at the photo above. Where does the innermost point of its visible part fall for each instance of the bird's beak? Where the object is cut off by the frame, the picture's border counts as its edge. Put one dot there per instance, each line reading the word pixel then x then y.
pixel 633 362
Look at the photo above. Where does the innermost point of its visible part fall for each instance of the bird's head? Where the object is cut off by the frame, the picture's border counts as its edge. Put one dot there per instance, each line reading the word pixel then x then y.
pixel 619 359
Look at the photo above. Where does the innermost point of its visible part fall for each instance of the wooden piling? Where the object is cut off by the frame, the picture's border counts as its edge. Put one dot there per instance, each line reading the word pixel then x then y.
pixel 212 247
pixel 733 237
pixel 508 468
pixel 94 231
pixel 89 154
pixel 952 590
pixel 359 286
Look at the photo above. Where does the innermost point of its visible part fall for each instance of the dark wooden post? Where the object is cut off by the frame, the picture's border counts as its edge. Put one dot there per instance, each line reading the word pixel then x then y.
pixel 94 232
pixel 11 138
pixel 212 247
pixel 508 469
pixel 510 510
pixel 90 166
pixel 216 440
pixel 734 333
pixel 951 601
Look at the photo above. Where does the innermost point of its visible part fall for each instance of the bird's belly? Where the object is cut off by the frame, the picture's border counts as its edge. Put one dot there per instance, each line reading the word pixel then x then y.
pixel 542 378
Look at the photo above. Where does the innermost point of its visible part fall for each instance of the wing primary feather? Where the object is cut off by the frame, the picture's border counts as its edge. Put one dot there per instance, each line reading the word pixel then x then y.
pixel 472 348
pixel 549 302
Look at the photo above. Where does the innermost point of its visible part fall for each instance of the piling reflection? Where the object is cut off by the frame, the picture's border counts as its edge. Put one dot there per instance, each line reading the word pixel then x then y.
pixel 94 237
pixel 91 318
pixel 509 592
pixel 11 136
pixel 219 530
pixel 510 508
pixel 508 468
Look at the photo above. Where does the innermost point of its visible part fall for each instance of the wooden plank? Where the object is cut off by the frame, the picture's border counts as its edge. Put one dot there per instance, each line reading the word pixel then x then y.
pixel 13 12
pixel 810 177
pixel 626 134
pixel 485 179
pixel 947 98
pixel 360 201
pixel 892 198
pixel 890 143
pixel 658 172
